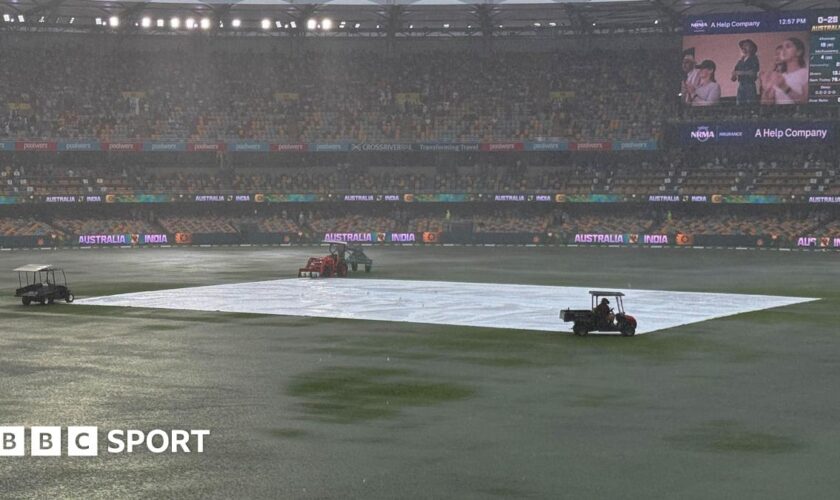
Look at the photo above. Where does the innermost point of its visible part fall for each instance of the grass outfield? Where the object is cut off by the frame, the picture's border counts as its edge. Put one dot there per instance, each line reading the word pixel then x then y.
pixel 744 406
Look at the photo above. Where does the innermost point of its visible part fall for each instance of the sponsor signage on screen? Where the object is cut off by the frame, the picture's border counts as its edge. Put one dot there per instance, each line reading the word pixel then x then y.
pixel 765 133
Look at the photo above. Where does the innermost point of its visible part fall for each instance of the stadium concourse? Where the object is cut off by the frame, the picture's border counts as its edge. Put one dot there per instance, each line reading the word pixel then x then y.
pixel 181 161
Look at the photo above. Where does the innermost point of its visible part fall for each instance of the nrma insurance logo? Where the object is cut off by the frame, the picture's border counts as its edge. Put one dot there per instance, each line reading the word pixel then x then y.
pixel 83 441
pixel 702 134
pixel 699 25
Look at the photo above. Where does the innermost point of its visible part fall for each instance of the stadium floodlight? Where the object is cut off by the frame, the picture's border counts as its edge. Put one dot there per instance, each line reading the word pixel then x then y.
pixel 146 22
pixel 411 26
pixel 293 25
pixel 21 18
pixel 175 23
pixel 358 25
pixel 553 25
pixel 311 24
pixel 656 21
pixel 266 24
pixel 236 23
pixel 446 25
pixel 97 21
pixel 72 20
pixel 6 17
pixel 161 23
pixel 279 24
pixel 41 20
pixel 113 21
pixel 205 23
pixel 326 24
pixel 189 23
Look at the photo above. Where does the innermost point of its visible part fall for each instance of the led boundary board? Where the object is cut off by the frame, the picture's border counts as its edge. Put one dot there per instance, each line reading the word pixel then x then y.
pixel 813 34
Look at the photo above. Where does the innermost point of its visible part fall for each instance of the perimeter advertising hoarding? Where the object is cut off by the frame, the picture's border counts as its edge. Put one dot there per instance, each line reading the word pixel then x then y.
pixel 374 237
pixel 68 145
pixel 122 239
pixel 82 145
pixel 621 239
pixel 724 133
pixel 164 147
pixel 818 242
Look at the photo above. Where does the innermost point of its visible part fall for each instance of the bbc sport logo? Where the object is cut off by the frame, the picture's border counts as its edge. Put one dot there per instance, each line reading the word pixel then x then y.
pixel 83 441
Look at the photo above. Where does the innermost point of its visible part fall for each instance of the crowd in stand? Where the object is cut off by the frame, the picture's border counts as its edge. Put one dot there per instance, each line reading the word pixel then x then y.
pixel 725 172
pixel 358 96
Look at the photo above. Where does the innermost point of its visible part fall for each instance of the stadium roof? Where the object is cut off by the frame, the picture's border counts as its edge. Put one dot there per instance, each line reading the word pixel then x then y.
pixel 377 17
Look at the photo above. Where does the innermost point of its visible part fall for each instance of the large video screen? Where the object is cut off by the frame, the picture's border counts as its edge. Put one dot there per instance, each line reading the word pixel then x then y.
pixel 761 58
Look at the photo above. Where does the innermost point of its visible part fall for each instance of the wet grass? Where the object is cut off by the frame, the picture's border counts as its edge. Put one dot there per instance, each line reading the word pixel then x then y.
pixel 286 433
pixel 727 436
pixel 348 394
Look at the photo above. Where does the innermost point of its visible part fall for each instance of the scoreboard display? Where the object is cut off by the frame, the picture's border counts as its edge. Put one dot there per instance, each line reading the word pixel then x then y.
pixel 824 74
pixel 765 57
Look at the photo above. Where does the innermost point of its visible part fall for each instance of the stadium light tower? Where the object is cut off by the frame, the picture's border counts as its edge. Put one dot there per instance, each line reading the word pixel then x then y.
pixel 311 24
pixel 113 21
pixel 146 22
pixel 174 23
pixel 266 24
pixel 326 24
pixel 236 23
pixel 205 23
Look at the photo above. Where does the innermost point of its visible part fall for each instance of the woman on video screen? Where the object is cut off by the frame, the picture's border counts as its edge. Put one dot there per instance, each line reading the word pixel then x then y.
pixel 746 72
pixel 791 86
pixel 708 92
pixel 768 92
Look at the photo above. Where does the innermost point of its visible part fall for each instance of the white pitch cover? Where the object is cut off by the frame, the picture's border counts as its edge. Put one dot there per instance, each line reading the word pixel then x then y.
pixel 489 305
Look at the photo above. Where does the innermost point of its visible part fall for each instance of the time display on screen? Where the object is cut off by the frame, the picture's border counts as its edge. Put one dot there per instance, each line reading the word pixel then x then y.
pixel 793 21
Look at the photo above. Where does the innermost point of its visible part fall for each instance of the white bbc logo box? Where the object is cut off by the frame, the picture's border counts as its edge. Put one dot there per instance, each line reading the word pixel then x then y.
pixel 45 441
pixel 83 441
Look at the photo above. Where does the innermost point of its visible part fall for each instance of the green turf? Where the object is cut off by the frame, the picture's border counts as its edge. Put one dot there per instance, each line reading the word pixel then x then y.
pixel 738 407
pixel 349 394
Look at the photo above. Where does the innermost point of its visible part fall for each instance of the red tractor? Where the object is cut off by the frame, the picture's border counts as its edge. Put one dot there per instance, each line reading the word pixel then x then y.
pixel 333 264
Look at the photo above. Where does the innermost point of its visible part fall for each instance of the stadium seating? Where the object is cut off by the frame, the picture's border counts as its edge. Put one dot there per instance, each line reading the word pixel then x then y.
pixel 358 96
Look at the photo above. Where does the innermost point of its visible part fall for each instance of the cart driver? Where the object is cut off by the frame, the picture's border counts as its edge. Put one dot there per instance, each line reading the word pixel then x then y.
pixel 603 313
